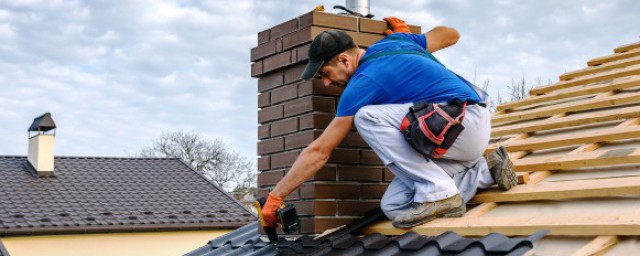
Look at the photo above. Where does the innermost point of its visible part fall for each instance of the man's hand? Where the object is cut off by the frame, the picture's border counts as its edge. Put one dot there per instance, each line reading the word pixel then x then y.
pixel 269 209
pixel 397 26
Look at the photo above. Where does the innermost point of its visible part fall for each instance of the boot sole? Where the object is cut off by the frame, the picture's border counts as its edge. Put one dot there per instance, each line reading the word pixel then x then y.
pixel 511 176
pixel 458 213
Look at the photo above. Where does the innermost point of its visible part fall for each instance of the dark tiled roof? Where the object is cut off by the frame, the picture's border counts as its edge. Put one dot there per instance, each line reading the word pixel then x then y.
pixel 92 194
pixel 247 241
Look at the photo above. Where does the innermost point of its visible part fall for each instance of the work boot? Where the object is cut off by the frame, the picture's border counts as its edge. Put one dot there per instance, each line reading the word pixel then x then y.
pixel 501 168
pixel 428 211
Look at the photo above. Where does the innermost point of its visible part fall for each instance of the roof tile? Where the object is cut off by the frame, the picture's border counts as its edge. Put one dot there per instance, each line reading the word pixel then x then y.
pixel 111 194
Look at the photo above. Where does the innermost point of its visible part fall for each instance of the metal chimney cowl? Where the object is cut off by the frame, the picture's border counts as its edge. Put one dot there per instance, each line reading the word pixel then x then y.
pixel 358 6
pixel 41 145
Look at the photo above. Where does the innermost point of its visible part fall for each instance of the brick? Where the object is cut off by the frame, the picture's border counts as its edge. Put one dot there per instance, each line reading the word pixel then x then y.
pixel 264 36
pixel 316 87
pixel 264 100
pixel 264 131
pixel 270 113
pixel 301 37
pixel 278 45
pixel 369 157
pixel 269 178
pixel 326 173
pixel 276 61
pixel 304 208
pixel 364 39
pixel 270 146
pixel 315 121
pixel 388 175
pixel 284 28
pixel 285 126
pixel 264 163
pixel 270 81
pixel 300 140
pixel 256 69
pixel 303 53
pixel 346 173
pixel 321 224
pixel 294 56
pixel 345 156
pixel 283 160
pixel 379 26
pixel 373 191
pixel 323 19
pixel 308 104
pixel 284 93
pixel 264 50
pixel 356 208
pixel 294 196
pixel 353 140
pixel 292 74
pixel 263 192
pixel 316 190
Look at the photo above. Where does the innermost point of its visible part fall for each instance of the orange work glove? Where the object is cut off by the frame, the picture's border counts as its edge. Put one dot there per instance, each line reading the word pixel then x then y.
pixel 269 210
pixel 397 26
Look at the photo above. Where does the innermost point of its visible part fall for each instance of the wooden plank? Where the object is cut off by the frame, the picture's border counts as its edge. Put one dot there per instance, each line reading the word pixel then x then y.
pixel 597 246
pixel 557 190
pixel 589 159
pixel 575 106
pixel 626 48
pixel 613 57
pixel 617 84
pixel 602 68
pixel 628 71
pixel 612 134
pixel 480 210
pixel 519 225
pixel 536 177
pixel 569 121
pixel 523 177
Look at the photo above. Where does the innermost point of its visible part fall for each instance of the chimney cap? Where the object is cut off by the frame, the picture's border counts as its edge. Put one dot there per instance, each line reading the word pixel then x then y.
pixel 42 123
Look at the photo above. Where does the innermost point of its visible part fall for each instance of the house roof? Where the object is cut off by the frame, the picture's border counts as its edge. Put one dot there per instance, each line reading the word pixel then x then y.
pixel 345 241
pixel 575 145
pixel 100 194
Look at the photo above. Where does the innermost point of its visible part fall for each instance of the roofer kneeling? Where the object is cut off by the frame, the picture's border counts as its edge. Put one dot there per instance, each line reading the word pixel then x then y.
pixel 427 124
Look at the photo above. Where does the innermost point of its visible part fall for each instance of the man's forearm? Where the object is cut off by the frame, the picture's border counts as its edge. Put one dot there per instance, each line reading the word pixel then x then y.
pixel 306 166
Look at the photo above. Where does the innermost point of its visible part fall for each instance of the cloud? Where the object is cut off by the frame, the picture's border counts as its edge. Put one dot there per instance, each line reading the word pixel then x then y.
pixel 117 74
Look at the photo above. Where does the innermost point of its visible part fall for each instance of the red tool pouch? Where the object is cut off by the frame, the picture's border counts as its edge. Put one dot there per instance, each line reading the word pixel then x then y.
pixel 431 129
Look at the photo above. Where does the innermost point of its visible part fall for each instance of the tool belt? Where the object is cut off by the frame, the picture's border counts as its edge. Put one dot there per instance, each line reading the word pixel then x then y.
pixel 431 129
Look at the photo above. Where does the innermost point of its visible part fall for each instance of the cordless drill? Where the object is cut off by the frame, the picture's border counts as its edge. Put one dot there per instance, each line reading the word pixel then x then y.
pixel 286 217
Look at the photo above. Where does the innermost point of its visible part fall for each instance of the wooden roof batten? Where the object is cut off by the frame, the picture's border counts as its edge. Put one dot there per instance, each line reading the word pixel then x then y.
pixel 588 121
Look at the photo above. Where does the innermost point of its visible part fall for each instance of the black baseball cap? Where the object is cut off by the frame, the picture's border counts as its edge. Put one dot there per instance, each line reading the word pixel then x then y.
pixel 325 46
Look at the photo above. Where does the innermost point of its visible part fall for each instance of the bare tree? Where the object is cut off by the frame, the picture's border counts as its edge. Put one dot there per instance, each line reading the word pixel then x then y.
pixel 519 90
pixel 225 168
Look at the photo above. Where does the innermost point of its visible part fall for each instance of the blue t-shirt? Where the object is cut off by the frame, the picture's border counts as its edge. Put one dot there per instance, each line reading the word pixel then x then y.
pixel 401 78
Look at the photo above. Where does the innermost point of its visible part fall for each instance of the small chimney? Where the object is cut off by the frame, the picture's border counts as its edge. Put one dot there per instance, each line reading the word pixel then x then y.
pixel 359 6
pixel 41 141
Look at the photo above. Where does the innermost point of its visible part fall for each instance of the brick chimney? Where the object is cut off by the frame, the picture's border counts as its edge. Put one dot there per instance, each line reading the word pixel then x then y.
pixel 41 142
pixel 294 112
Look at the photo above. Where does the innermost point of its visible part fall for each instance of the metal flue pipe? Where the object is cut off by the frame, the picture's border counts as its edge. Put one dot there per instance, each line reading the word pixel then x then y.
pixel 358 6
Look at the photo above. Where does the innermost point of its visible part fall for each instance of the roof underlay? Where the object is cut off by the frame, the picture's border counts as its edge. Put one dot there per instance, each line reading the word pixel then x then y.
pixel 576 147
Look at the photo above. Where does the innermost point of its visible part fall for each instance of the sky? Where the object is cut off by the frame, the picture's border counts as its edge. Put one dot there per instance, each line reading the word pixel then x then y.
pixel 116 74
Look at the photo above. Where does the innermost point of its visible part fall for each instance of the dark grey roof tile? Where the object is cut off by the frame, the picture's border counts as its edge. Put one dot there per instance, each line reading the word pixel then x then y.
pixel 111 194
pixel 246 241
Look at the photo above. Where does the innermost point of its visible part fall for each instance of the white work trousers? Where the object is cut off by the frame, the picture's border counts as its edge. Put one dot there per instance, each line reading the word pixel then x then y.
pixel 418 179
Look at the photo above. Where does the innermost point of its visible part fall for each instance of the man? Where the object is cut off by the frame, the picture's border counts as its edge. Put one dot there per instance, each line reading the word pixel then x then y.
pixel 381 84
